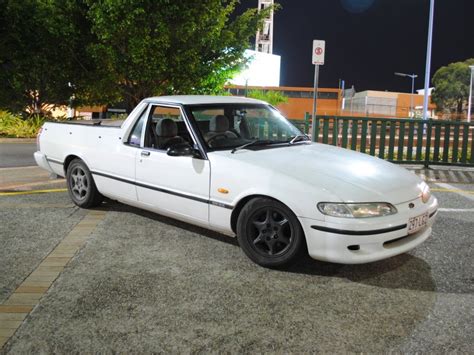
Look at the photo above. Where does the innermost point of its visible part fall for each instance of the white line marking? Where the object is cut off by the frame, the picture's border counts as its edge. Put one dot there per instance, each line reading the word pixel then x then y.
pixel 456 209
pixel 463 177
pixel 455 190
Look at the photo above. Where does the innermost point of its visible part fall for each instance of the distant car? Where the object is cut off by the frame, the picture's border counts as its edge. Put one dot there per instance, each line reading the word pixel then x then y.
pixel 237 166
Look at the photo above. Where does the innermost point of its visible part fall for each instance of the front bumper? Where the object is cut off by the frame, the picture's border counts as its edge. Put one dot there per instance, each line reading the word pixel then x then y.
pixel 362 241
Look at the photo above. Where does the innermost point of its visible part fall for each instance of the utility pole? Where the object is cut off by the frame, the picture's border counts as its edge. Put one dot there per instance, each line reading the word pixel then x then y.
pixel 428 60
pixel 469 106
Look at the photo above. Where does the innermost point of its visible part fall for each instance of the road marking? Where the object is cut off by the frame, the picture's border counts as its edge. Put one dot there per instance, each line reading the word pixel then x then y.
pixel 21 167
pixel 452 190
pixel 431 175
pixel 35 205
pixel 456 209
pixel 28 294
pixel 463 177
pixel 14 193
pixel 32 184
pixel 465 193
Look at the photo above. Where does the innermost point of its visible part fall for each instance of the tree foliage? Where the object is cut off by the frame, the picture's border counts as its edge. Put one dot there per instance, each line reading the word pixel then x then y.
pixel 28 48
pixel 272 97
pixel 452 86
pixel 151 47
pixel 118 50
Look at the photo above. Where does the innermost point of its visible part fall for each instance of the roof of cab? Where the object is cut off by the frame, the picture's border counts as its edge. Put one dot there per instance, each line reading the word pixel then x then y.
pixel 203 99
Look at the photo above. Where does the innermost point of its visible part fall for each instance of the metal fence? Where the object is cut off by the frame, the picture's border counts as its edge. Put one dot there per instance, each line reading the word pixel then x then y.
pixel 411 141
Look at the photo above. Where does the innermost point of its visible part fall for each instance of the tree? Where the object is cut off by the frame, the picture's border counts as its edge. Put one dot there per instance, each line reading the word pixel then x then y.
pixel 32 71
pixel 272 97
pixel 452 86
pixel 159 47
pixel 115 51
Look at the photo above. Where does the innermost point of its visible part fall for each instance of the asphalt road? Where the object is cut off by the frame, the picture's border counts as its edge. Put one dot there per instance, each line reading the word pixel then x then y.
pixel 145 283
pixel 17 154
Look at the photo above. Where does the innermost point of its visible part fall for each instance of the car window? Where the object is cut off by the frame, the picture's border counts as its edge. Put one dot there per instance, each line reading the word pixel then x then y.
pixel 207 114
pixel 136 135
pixel 230 125
pixel 165 128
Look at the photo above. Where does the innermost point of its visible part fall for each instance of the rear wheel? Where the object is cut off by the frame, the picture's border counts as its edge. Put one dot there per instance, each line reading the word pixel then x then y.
pixel 81 185
pixel 269 233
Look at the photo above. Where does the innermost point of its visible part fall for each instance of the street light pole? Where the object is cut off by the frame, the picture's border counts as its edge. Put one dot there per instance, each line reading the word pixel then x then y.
pixel 469 106
pixel 428 60
pixel 411 96
pixel 413 77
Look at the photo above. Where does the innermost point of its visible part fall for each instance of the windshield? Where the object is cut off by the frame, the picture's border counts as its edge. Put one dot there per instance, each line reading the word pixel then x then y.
pixel 227 126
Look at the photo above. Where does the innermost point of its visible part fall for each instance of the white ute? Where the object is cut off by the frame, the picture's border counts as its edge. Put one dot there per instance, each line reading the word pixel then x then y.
pixel 237 166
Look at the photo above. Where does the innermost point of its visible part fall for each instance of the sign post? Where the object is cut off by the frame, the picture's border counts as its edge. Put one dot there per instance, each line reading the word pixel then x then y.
pixel 319 50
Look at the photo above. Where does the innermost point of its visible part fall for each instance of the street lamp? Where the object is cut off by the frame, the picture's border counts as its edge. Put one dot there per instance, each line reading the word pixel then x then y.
pixel 413 77
pixel 469 106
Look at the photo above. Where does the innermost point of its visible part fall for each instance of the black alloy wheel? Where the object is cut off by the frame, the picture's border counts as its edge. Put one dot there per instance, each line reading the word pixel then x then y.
pixel 269 232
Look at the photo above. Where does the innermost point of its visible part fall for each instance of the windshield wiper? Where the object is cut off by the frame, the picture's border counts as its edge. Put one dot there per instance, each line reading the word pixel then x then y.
pixel 252 143
pixel 298 137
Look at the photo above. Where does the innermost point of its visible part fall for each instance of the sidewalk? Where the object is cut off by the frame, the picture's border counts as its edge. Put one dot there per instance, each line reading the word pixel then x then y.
pixel 449 174
pixel 27 178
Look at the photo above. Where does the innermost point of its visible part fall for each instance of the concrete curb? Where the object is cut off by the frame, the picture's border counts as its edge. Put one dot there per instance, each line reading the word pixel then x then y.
pixel 17 140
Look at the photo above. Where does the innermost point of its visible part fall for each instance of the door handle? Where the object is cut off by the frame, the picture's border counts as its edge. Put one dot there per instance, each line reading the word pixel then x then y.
pixel 145 153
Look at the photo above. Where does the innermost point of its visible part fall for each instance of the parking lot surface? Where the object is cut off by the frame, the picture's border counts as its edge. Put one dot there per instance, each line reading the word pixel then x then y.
pixel 145 283
pixel 16 153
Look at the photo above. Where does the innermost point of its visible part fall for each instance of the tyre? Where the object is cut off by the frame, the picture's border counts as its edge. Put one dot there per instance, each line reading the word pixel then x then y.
pixel 81 185
pixel 269 233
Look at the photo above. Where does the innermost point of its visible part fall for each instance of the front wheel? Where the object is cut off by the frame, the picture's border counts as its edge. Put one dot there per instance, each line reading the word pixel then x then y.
pixel 81 185
pixel 269 233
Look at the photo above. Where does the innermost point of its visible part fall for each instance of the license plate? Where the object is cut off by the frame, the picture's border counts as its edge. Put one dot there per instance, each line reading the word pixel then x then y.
pixel 417 223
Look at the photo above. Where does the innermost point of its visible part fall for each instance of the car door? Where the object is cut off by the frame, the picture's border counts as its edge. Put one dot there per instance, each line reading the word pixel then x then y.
pixel 114 172
pixel 176 186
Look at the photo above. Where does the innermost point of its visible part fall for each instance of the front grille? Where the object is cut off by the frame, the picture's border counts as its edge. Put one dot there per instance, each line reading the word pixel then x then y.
pixel 397 241
pixel 388 243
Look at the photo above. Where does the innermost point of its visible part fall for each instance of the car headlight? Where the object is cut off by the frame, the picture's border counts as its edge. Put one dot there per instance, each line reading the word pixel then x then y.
pixel 356 210
pixel 425 193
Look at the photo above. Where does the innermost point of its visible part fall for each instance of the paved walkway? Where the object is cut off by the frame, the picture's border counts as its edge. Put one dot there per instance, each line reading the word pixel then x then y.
pixel 455 175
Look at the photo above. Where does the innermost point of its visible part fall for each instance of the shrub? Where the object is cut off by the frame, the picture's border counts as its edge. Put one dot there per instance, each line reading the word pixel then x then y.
pixel 15 126
pixel 272 97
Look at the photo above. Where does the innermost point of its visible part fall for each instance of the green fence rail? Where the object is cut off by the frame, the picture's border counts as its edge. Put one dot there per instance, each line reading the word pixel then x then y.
pixel 410 141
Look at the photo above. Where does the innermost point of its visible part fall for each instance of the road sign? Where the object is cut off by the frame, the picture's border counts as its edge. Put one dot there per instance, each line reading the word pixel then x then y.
pixel 319 50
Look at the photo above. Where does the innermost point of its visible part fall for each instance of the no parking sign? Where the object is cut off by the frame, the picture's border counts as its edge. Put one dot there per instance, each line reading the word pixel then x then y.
pixel 319 50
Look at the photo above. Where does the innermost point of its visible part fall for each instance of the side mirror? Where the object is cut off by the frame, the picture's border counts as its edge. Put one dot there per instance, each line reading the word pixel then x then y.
pixel 183 150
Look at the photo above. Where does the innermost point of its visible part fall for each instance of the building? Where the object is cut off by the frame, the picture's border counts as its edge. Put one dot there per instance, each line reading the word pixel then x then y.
pixel 332 102
pixel 264 37
pixel 384 104
pixel 300 99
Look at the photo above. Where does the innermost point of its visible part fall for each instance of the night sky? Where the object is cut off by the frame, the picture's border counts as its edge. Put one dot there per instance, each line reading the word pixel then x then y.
pixel 368 40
